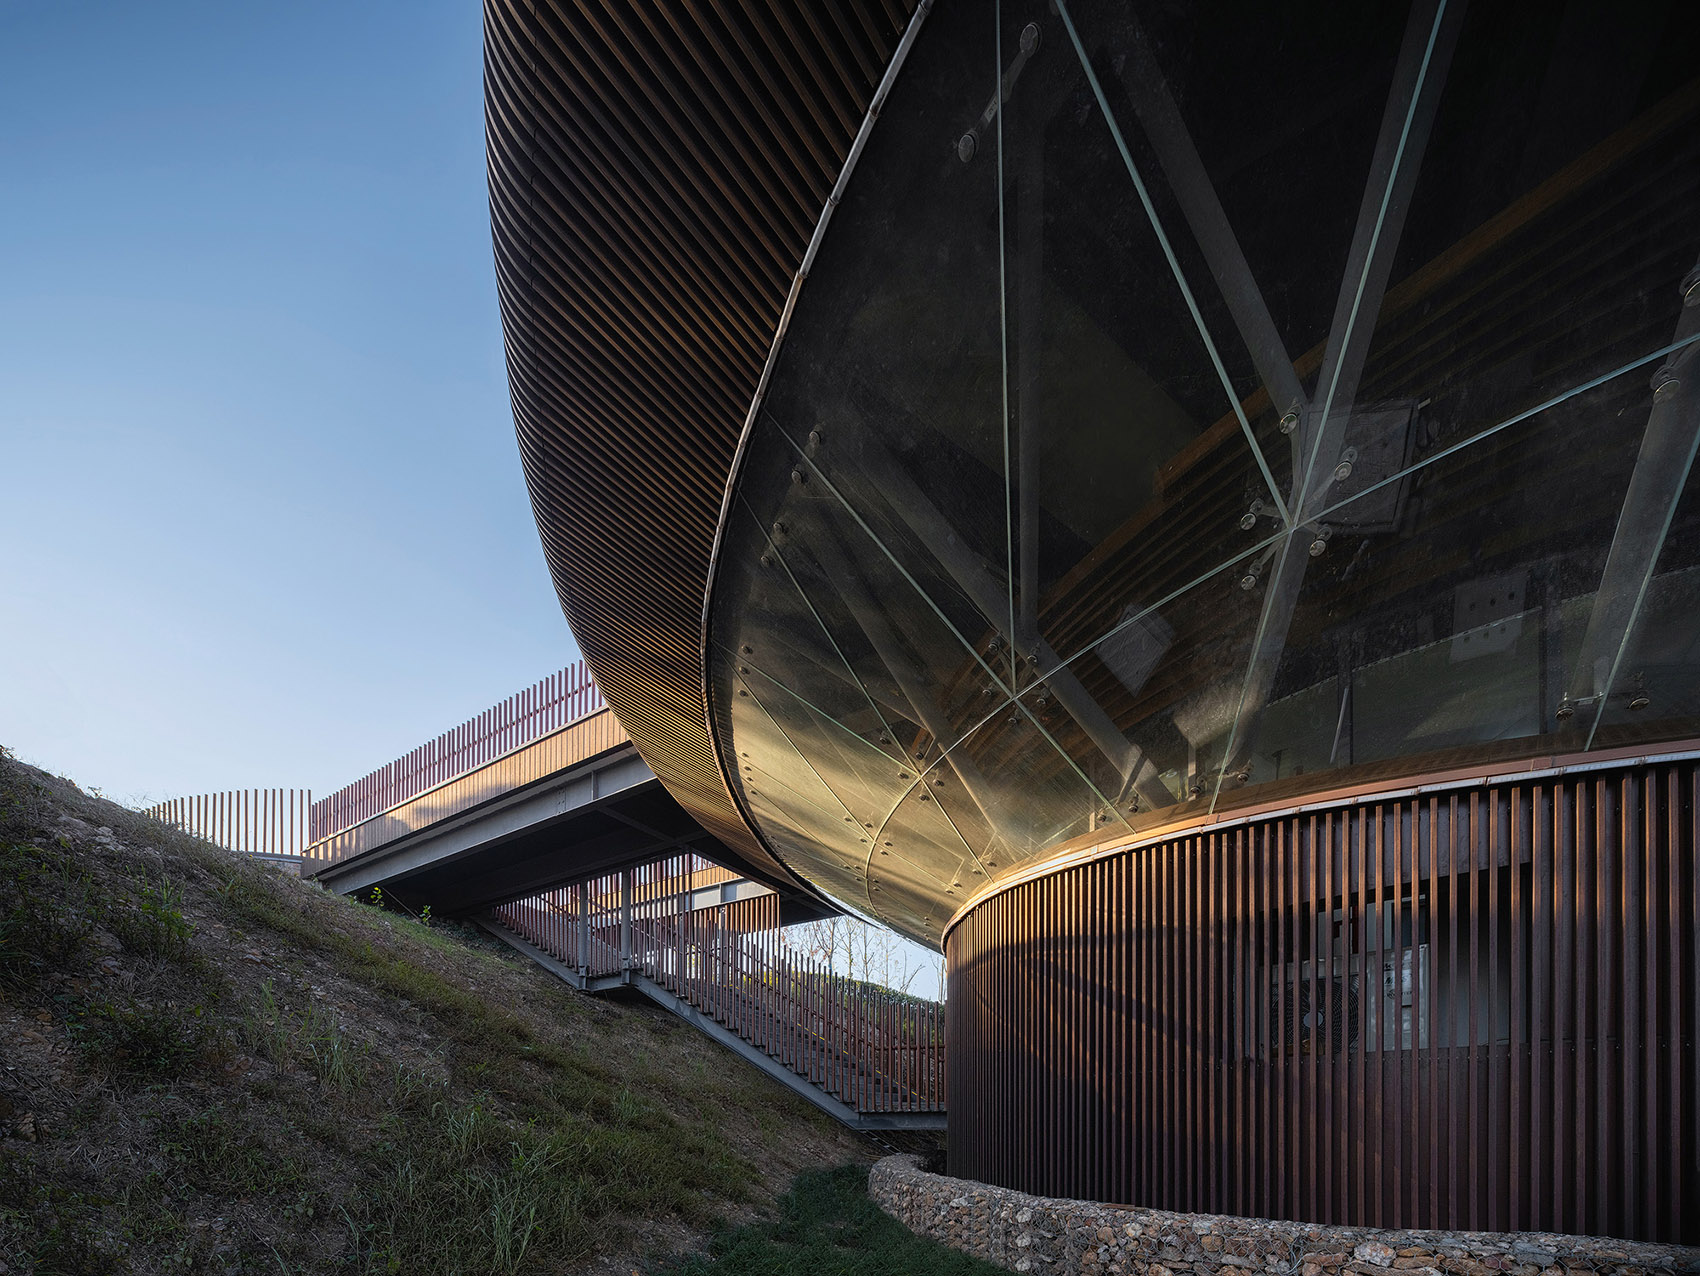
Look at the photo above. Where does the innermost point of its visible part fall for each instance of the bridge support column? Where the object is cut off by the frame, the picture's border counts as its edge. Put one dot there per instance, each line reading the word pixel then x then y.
pixel 583 890
pixel 626 920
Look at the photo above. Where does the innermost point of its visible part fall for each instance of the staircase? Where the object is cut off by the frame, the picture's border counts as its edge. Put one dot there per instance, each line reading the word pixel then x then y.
pixel 708 947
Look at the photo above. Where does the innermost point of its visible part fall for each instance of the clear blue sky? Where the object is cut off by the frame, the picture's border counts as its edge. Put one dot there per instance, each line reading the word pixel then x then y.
pixel 262 520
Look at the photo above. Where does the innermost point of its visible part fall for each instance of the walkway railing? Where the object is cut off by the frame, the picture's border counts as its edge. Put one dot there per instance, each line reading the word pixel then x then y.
pixel 527 716
pixel 255 821
pixel 874 1049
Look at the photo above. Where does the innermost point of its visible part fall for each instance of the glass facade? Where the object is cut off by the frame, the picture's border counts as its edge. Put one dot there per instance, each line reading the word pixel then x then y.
pixel 1197 405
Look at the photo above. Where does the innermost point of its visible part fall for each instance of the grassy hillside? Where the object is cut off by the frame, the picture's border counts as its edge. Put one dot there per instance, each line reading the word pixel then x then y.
pixel 206 1065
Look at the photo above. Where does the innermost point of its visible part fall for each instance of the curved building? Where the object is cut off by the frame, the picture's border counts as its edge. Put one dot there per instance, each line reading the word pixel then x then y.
pixel 1190 508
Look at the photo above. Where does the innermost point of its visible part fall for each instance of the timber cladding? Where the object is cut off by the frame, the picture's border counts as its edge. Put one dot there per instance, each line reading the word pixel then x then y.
pixel 1464 1009
pixel 656 172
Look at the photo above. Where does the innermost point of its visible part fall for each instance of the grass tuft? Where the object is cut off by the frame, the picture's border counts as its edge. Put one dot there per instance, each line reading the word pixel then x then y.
pixel 220 1068
pixel 827 1226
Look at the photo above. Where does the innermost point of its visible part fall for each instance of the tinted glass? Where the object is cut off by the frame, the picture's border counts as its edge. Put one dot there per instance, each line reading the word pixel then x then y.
pixel 1192 405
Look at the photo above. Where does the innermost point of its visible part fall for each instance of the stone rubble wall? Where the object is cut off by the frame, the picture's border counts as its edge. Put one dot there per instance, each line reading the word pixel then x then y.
pixel 1024 1233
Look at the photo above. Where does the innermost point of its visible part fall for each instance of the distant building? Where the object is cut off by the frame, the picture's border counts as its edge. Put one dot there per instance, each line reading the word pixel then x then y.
pixel 1190 508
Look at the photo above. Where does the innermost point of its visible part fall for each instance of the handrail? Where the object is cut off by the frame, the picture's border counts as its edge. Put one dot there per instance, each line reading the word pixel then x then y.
pixel 546 706
pixel 253 821
pixel 877 1050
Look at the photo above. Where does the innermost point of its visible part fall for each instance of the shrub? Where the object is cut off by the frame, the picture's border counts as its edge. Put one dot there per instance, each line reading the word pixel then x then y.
pixel 153 926
pixel 135 1039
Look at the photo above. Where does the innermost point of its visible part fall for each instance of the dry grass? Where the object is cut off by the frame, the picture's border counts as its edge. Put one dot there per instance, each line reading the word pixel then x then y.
pixel 209 1066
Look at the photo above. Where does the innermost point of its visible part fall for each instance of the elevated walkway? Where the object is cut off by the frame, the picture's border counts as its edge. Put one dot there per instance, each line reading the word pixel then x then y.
pixel 539 820
pixel 871 1057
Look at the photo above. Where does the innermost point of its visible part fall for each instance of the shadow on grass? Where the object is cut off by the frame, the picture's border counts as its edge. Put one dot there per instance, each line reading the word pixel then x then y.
pixel 827 1226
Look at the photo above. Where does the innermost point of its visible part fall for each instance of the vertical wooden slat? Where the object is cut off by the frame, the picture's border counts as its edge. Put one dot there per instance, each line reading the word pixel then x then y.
pixel 1631 903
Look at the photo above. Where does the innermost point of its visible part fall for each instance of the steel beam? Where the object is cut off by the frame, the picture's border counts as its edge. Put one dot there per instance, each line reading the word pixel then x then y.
pixel 1418 79
pixel 1655 486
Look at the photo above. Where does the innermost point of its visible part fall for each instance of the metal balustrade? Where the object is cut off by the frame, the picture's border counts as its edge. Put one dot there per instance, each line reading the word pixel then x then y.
pixel 871 1048
pixel 546 706
pixel 265 822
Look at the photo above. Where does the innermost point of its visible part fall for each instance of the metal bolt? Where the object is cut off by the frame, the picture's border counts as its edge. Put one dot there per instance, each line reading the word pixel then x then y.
pixel 1289 422
pixel 814 438
pixel 798 477
pixel 1640 701
pixel 1691 288
pixel 1030 37
pixel 742 692
pixel 1015 719
pixel 1343 471
pixel 1665 384
pixel 965 147
pixel 779 529
pixel 748 650
pixel 1248 581
pixel 1317 547
pixel 766 561
pixel 926 797
pixel 1248 521
pixel 1565 711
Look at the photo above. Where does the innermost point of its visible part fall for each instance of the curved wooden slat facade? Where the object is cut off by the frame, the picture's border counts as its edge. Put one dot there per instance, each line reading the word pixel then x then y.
pixel 656 172
pixel 1451 1007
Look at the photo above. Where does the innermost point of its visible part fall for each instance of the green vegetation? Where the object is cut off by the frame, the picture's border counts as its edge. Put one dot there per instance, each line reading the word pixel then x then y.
pixel 827 1226
pixel 210 1066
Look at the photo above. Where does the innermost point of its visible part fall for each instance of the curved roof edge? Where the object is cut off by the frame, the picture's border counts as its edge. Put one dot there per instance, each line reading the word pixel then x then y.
pixel 657 179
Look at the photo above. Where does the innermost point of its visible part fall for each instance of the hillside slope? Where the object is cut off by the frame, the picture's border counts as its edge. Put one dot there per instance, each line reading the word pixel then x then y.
pixel 210 1066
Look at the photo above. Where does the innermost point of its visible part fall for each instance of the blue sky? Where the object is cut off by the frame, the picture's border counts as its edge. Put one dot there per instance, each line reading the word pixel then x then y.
pixel 262 519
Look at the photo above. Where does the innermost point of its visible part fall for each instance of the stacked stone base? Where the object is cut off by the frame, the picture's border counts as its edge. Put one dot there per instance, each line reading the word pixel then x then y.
pixel 1080 1238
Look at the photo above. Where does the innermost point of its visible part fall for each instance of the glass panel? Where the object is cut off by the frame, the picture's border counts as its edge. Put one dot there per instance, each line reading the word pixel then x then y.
pixel 1170 416
pixel 1130 457
pixel 1449 615
pixel 1655 693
